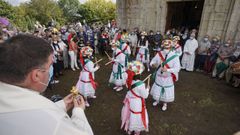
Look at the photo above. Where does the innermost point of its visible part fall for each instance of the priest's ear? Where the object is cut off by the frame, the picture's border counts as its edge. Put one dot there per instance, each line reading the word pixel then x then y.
pixel 35 75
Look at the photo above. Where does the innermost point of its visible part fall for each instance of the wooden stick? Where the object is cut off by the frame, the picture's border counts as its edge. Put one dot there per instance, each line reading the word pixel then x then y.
pixel 108 63
pixel 108 55
pixel 147 77
pixel 98 61
pixel 148 83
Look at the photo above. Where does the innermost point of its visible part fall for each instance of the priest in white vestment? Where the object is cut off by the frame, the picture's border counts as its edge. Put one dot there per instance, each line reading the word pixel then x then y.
pixel 189 53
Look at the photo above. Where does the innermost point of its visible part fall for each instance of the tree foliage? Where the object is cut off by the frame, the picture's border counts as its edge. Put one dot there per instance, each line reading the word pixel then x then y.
pixel 26 14
pixel 6 10
pixel 23 20
pixel 70 9
pixel 100 10
pixel 44 10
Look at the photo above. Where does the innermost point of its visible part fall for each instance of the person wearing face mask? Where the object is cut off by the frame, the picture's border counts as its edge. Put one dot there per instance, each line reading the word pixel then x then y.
pixel 185 37
pixel 168 65
pixel 143 52
pixel 22 108
pixel 103 42
pixel 174 32
pixel 64 34
pixel 125 48
pixel 236 54
pixel 73 50
pixel 189 53
pixel 58 55
pixel 150 38
pixel 64 49
pixel 158 40
pixel 212 55
pixel 168 34
pixel 232 73
pixel 202 51
pixel 118 76
pixel 176 46
pixel 133 40
pixel 86 83
pixel 222 63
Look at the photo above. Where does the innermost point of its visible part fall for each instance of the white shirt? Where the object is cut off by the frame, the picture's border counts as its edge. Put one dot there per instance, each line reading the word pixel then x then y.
pixel 26 112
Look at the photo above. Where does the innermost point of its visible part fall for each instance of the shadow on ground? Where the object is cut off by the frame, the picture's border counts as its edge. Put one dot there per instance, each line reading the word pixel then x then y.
pixel 203 106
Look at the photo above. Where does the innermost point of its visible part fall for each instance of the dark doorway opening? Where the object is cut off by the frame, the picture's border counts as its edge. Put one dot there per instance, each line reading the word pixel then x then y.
pixel 184 14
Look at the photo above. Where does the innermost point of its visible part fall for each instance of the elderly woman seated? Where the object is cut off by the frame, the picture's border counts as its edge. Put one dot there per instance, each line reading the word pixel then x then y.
pixel 233 74
pixel 222 63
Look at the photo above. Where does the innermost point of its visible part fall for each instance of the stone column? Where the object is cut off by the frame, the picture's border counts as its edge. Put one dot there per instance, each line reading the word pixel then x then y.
pixel 158 14
pixel 163 15
pixel 233 22
pixel 227 21
pixel 206 18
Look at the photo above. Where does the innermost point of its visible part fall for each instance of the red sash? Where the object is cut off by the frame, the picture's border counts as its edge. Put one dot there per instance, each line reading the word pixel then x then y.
pixel 141 56
pixel 167 66
pixel 94 84
pixel 143 112
pixel 116 56
pixel 125 48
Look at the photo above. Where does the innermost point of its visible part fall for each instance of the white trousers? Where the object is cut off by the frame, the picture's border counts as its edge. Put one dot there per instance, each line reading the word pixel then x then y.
pixel 73 58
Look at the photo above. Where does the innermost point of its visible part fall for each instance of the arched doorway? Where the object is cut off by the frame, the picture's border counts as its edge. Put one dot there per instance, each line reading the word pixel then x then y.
pixel 184 14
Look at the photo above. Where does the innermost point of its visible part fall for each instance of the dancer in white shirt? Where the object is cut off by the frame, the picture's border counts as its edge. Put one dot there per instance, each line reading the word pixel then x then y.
pixel 118 76
pixel 167 63
pixel 134 112
pixel 86 83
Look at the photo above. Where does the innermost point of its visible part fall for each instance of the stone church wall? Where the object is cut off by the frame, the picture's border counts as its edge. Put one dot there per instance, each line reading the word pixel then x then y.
pixel 219 17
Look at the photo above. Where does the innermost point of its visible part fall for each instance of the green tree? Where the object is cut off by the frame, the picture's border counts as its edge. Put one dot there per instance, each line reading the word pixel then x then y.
pixel 25 15
pixel 70 9
pixel 22 20
pixel 6 10
pixel 98 10
pixel 44 11
pixel 86 13
pixel 15 15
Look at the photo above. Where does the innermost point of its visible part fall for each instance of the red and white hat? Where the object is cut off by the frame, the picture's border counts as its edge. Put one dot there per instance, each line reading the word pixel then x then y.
pixel 136 66
pixel 86 51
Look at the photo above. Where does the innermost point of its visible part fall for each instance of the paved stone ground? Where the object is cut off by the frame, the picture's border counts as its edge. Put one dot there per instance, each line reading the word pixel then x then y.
pixel 203 106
